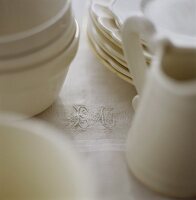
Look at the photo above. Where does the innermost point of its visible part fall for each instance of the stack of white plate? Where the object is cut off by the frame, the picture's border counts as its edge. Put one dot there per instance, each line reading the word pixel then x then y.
pixel 104 33
pixel 38 40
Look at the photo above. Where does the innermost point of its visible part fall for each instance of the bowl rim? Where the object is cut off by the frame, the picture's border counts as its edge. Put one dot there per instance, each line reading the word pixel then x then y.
pixel 41 54
pixel 37 29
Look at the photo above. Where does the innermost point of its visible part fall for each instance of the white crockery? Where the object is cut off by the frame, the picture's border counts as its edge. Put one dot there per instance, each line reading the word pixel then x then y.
pixel 105 3
pixel 103 18
pixel 52 49
pixel 38 162
pixel 22 15
pixel 107 36
pixel 29 25
pixel 177 16
pixel 106 44
pixel 122 9
pixel 150 20
pixel 172 18
pixel 31 83
pixel 161 143
pixel 107 61
pixel 115 64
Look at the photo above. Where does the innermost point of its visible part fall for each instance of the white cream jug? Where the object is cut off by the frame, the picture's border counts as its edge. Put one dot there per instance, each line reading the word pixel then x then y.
pixel 161 146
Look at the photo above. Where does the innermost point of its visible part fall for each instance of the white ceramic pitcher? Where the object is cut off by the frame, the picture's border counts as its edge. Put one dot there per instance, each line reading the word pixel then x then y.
pixel 161 149
pixel 152 19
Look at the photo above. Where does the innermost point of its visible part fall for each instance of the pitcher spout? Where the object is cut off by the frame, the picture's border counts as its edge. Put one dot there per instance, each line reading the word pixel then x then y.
pixel 177 66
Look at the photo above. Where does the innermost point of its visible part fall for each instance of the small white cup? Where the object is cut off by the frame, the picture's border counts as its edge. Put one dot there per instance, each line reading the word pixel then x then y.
pixel 38 163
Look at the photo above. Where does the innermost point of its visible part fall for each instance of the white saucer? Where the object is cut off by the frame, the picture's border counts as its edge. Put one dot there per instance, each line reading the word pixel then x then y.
pixel 117 66
pixel 107 61
pixel 121 9
pixel 104 20
pixel 111 49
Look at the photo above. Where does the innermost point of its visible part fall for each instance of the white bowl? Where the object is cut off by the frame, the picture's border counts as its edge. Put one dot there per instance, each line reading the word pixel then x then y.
pixel 27 25
pixel 22 15
pixel 38 163
pixel 30 84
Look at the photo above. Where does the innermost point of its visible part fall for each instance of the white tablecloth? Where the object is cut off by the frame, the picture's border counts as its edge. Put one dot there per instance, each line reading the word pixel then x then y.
pixel 94 110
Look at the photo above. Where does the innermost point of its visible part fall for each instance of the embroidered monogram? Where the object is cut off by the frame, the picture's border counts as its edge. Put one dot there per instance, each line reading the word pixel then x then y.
pixel 84 118
pixel 89 122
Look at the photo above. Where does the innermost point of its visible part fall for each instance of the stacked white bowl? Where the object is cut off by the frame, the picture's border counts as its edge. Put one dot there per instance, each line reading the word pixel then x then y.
pixel 38 41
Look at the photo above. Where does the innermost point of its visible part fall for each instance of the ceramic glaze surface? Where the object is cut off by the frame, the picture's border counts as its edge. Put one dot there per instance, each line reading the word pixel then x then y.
pixel 105 22
pixel 40 79
pixel 176 16
pixel 36 165
pixel 161 143
pixel 105 56
pixel 111 64
pixel 107 35
pixel 16 16
pixel 122 9
pixel 152 20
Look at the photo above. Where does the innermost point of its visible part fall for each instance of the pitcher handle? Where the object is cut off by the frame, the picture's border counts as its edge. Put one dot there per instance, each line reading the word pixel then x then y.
pixel 131 38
